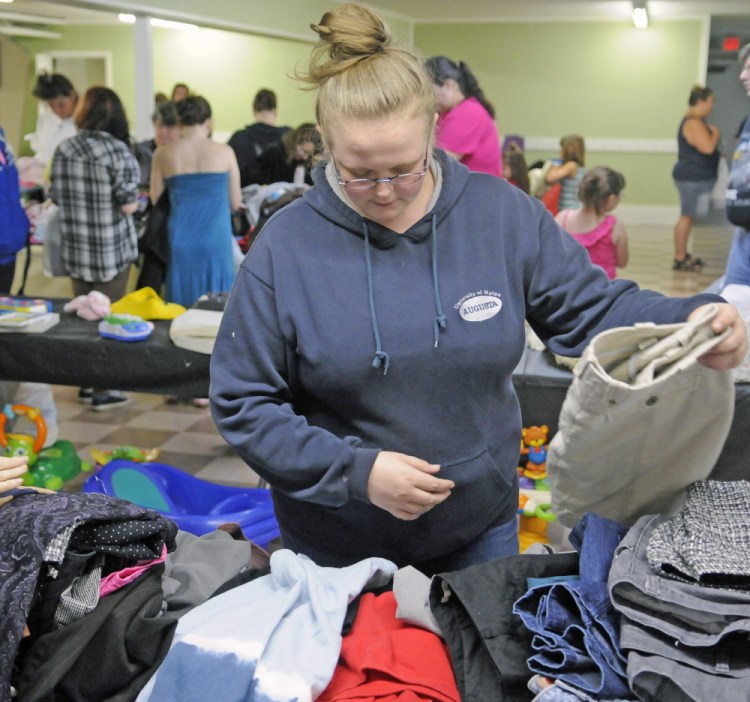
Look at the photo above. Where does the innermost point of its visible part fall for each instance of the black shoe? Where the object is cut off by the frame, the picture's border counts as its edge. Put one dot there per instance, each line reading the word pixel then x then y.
pixel 86 395
pixel 688 264
pixel 108 401
pixel 696 262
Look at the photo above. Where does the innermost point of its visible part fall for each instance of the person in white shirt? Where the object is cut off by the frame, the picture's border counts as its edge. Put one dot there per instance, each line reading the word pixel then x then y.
pixel 55 122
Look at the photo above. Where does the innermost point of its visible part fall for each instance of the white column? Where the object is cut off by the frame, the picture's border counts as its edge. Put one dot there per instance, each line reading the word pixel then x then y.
pixel 144 78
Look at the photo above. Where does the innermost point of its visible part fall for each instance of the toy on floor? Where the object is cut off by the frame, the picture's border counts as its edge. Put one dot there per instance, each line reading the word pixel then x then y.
pixel 131 453
pixel 48 467
pixel 535 514
pixel 195 505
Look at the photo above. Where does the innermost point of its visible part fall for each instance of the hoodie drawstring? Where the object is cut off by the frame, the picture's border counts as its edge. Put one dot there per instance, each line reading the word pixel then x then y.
pixel 381 357
pixel 440 318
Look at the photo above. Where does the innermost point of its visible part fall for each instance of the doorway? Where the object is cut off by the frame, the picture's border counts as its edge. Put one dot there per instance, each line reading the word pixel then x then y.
pixel 732 103
pixel 83 68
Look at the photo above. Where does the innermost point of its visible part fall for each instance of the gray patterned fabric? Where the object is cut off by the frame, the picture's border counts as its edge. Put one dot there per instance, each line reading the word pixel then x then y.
pixel 708 541
pixel 81 597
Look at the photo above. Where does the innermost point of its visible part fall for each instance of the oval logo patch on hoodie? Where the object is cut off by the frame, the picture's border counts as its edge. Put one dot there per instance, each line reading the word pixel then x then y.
pixel 479 306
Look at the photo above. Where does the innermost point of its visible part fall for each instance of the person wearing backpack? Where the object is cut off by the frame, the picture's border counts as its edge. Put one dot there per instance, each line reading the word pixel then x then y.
pixel 14 224
pixel 738 193
pixel 249 143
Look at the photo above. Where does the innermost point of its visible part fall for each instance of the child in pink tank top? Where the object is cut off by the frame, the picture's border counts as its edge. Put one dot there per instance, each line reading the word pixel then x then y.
pixel 602 234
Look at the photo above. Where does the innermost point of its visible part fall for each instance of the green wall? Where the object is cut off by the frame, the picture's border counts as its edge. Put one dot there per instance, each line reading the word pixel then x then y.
pixel 228 68
pixel 604 80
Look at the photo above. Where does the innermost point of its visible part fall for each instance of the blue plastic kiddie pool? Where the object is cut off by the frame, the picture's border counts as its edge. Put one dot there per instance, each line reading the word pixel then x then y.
pixel 195 505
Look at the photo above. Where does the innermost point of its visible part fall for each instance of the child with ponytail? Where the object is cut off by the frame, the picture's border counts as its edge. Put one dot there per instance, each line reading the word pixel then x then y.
pixel 602 234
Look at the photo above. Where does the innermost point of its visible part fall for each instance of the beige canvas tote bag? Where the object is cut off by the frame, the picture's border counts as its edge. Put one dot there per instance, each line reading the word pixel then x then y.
pixel 641 421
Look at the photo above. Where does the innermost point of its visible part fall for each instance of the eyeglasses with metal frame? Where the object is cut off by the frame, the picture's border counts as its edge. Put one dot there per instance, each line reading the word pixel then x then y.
pixel 400 180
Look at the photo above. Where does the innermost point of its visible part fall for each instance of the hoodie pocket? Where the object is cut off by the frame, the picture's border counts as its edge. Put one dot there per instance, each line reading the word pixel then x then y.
pixel 476 468
pixel 481 492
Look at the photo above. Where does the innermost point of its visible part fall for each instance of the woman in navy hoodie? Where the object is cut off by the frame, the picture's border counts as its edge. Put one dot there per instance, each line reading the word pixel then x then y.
pixel 363 364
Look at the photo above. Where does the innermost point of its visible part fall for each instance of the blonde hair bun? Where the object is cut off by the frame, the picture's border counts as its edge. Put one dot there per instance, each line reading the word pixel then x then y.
pixel 347 35
pixel 360 74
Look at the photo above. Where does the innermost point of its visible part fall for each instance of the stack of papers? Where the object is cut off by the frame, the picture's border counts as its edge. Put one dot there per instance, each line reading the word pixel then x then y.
pixel 28 322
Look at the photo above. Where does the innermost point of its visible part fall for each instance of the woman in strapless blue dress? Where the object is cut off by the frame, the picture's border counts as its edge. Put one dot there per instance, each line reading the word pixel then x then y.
pixel 202 178
pixel 200 236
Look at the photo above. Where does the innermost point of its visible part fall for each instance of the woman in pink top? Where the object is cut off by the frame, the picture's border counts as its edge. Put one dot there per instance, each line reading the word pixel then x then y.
pixel 465 127
pixel 602 234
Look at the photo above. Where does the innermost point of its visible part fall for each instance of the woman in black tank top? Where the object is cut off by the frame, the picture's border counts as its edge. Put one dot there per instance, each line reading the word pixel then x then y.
pixel 695 171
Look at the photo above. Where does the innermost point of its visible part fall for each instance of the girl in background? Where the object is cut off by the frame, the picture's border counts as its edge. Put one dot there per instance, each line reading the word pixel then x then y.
pixel 514 168
pixel 569 172
pixel 465 127
pixel 290 161
pixel 601 233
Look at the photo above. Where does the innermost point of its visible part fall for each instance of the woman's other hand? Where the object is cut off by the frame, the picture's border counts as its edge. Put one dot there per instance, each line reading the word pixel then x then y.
pixel 11 472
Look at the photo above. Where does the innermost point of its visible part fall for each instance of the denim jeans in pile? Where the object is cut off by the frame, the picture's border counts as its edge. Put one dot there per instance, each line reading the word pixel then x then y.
pixel 576 632
pixel 558 692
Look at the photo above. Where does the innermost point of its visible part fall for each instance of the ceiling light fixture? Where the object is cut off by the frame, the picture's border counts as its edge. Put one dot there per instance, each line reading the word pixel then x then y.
pixel 640 14
pixel 156 22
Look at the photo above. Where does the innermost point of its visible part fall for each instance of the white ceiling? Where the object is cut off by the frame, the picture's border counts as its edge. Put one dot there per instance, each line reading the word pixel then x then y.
pixel 75 12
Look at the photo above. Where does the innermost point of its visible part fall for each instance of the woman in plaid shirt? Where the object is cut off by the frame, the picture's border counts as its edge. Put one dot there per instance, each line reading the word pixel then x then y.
pixel 95 181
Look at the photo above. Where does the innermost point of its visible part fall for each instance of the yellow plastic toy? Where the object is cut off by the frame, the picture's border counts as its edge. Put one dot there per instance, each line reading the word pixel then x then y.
pixel 534 509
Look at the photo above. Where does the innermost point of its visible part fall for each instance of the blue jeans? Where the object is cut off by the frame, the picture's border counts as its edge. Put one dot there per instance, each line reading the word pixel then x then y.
pixel 575 625
pixel 738 263
pixel 495 542
pixel 558 692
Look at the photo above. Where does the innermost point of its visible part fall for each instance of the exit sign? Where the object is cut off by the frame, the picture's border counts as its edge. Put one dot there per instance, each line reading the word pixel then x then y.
pixel 731 44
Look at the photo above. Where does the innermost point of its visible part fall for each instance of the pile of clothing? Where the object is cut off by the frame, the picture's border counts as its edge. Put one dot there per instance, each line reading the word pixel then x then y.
pixel 92 588
pixel 682 586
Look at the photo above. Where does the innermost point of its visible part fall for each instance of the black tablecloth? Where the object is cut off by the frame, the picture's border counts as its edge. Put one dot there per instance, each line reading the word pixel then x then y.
pixel 541 386
pixel 73 353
